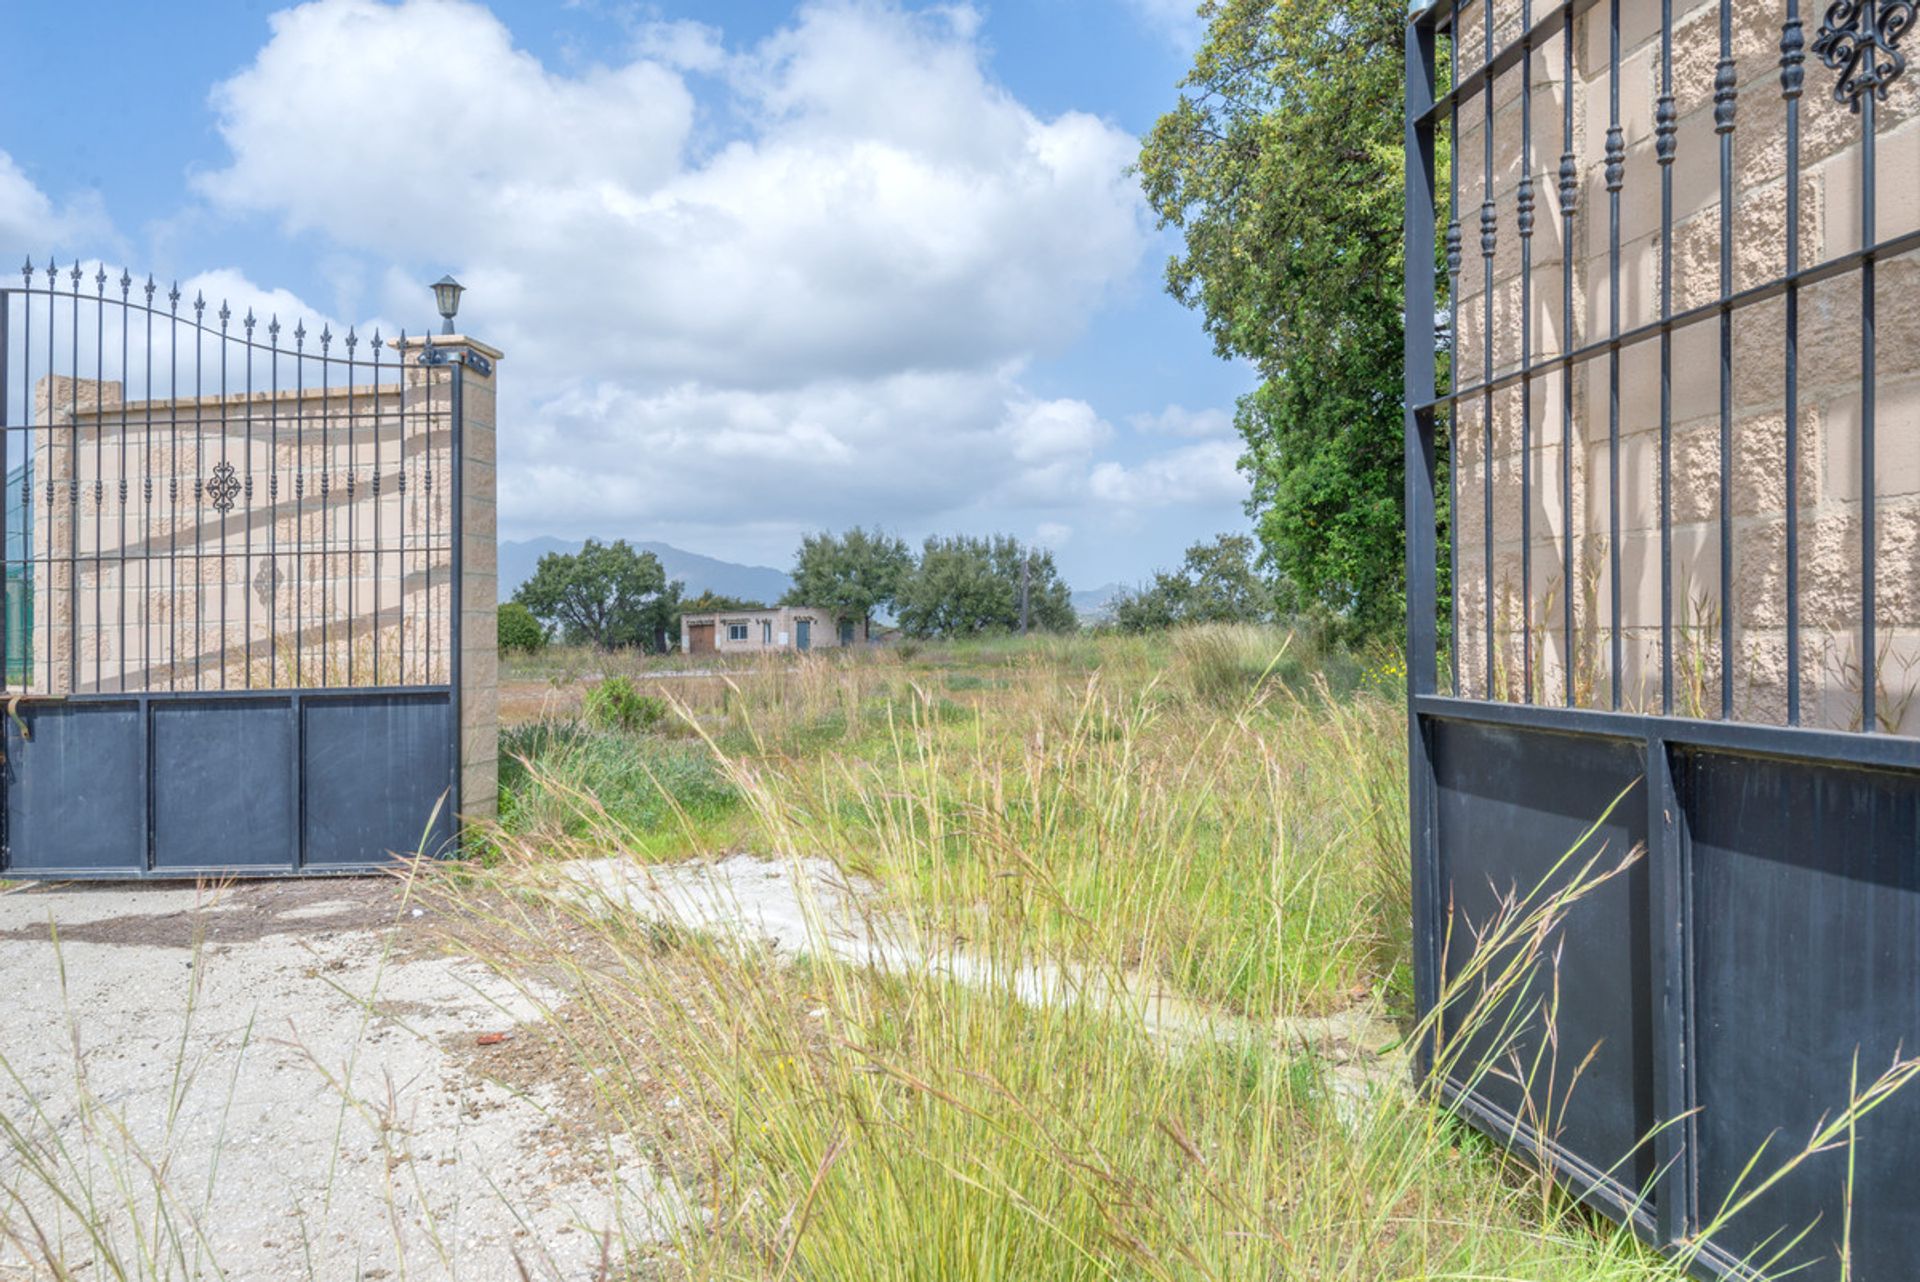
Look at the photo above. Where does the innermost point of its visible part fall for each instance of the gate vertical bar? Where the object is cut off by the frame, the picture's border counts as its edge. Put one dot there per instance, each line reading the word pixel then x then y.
pixel 1869 659
pixel 200 473
pixel 1422 530
pixel 377 518
pixel 146 501
pixel 99 445
pixel 222 503
pixel 126 380
pixel 1792 74
pixel 246 529
pixel 1615 174
pixel 73 494
pixel 1489 242
pixel 423 501
pixel 1666 127
pixel 1524 204
pixel 1725 102
pixel 326 501
pixel 1453 352
pixel 173 487
pixel 273 501
pixel 353 543
pixel 199 487
pixel 1569 198
pixel 400 485
pixel 299 496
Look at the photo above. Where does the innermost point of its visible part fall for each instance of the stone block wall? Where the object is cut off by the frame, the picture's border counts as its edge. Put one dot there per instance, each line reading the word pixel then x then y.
pixel 1510 447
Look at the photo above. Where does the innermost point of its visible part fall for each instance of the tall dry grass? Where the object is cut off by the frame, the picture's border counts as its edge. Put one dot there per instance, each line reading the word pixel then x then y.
pixel 1000 1093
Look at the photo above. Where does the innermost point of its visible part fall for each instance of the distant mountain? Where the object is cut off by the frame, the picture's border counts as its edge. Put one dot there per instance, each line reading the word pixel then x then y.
pixel 700 573
pixel 1094 605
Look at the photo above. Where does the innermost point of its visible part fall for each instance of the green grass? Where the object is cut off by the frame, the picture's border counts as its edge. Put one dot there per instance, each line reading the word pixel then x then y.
pixel 668 795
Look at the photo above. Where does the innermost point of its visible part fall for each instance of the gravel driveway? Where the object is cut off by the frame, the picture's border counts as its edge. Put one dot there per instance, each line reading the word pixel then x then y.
pixel 268 1081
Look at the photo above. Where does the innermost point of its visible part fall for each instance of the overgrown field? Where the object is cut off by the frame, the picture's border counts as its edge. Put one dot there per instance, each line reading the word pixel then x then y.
pixel 1094 965
pixel 1212 823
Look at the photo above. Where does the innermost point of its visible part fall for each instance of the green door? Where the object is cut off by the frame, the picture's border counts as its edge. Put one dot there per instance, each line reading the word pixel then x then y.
pixel 803 634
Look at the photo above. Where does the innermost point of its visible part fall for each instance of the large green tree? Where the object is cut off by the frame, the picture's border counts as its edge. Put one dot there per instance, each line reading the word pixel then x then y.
pixel 967 585
pixel 851 574
pixel 1216 583
pixel 606 594
pixel 1281 167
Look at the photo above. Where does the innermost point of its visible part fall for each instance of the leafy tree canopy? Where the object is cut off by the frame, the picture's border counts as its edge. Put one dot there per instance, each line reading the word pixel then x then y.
pixel 967 585
pixel 851 574
pixel 606 595
pixel 1217 583
pixel 1281 168
pixel 711 602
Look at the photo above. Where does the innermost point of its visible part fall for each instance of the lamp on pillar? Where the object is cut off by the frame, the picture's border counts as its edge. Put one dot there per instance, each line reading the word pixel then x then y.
pixel 446 296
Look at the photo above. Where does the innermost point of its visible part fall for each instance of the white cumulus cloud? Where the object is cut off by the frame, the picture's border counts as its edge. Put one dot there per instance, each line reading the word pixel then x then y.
pixel 1178 420
pixel 1205 473
pixel 30 218
pixel 778 285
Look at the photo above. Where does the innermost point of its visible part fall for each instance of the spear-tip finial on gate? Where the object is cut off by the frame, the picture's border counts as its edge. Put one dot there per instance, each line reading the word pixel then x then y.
pixel 199 305
pixel 26 272
pixel 53 272
pixel 326 338
pixel 300 335
pixel 225 314
pixel 75 275
pixel 378 342
pixel 126 284
pixel 249 322
pixel 173 298
pixel 353 341
pixel 100 281
pixel 273 330
pixel 150 287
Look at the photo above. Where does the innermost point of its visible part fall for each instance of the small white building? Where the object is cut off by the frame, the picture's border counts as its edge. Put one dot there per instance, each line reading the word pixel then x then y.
pixel 781 627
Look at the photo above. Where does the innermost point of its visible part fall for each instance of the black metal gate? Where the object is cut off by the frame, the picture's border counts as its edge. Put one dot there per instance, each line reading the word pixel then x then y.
pixel 1659 446
pixel 231 641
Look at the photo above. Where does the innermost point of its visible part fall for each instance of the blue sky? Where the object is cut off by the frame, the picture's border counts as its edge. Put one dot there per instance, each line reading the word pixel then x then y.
pixel 758 268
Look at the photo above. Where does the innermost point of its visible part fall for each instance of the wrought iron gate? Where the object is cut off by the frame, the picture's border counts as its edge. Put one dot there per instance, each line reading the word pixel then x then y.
pixel 231 640
pixel 1661 466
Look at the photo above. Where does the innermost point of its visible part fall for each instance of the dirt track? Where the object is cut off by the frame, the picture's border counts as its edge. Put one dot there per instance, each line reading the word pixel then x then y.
pixel 272 1081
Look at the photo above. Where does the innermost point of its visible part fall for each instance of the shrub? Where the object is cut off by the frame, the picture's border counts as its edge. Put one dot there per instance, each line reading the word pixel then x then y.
pixel 615 704
pixel 563 777
pixel 1222 664
pixel 520 632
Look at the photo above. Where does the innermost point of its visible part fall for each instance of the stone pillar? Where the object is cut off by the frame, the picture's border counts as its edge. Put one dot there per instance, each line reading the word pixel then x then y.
pixel 479 587
pixel 478 597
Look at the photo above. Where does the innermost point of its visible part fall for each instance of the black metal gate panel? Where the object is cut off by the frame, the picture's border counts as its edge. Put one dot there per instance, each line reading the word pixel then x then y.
pixel 1663 572
pixel 230 642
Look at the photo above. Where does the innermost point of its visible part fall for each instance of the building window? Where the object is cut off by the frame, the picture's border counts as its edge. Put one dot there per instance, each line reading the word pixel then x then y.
pixel 736 632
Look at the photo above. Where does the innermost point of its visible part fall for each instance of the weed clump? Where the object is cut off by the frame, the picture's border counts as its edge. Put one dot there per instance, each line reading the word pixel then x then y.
pixel 616 704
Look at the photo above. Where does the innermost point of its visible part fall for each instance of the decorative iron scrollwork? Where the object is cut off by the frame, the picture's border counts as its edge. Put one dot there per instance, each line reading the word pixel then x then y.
pixel 1859 39
pixel 223 487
